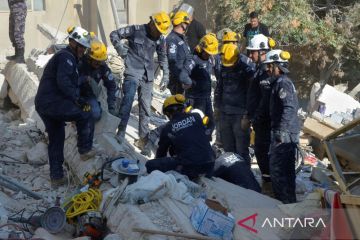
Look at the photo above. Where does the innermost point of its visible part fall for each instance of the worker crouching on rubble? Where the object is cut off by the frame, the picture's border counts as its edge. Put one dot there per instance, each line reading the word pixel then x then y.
pixel 143 41
pixel 58 101
pixel 185 139
pixel 196 78
pixel 94 70
pixel 285 127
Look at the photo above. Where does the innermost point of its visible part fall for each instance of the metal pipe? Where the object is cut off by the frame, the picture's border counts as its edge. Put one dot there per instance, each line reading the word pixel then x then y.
pixel 115 15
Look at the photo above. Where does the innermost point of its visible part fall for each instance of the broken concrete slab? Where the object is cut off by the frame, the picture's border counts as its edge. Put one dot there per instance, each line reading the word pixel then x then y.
pixel 52 33
pixel 3 87
pixel 24 85
pixel 107 124
pixel 38 154
pixel 336 101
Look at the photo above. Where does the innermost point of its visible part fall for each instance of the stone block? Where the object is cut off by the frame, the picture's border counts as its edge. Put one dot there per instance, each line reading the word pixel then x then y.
pixel 107 124
pixel 38 154
pixel 3 87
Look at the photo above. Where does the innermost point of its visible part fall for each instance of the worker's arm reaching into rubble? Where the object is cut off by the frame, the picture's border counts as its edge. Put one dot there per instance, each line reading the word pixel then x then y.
pixel 163 60
pixel 117 35
pixel 67 75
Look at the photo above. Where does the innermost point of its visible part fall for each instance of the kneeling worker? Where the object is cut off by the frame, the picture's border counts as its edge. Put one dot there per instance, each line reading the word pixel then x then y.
pixel 185 139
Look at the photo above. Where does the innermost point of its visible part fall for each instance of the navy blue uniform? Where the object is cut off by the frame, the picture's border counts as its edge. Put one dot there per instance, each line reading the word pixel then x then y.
pixel 233 168
pixel 96 75
pixel 178 52
pixel 230 100
pixel 258 112
pixel 139 72
pixel 285 130
pixel 197 73
pixel 55 101
pixel 184 138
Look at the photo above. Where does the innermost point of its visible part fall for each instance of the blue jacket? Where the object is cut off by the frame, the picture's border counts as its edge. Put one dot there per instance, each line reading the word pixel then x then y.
pixel 140 55
pixel 178 52
pixel 184 136
pixel 60 80
pixel 197 72
pixel 232 85
pixel 102 73
pixel 284 106
pixel 258 98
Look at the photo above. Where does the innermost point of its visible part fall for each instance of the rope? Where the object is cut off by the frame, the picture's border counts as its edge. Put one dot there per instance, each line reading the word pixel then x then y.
pixel 57 30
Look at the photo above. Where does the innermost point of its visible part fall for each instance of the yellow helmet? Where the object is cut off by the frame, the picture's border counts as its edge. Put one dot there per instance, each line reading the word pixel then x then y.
pixel 180 17
pixel 209 44
pixel 231 37
pixel 98 51
pixel 229 54
pixel 162 22
pixel 177 99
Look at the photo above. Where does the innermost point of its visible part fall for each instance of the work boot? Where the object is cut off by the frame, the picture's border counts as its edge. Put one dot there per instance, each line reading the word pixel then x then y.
pixel 146 151
pixel 141 142
pixel 56 183
pixel 266 189
pixel 20 56
pixel 90 154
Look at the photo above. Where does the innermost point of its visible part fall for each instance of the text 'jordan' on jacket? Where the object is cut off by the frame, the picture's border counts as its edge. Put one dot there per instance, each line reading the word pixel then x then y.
pixel 231 88
pixel 60 79
pixel 197 73
pixel 141 49
pixel 284 106
pixel 178 51
pixel 258 97
pixel 185 136
pixel 102 73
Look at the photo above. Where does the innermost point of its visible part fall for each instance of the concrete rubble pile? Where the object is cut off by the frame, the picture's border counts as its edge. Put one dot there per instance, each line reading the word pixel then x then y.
pixel 131 212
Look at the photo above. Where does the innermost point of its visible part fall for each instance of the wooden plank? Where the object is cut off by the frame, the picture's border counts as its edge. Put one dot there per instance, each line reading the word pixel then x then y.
pixel 336 167
pixel 343 129
pixel 350 199
pixel 316 128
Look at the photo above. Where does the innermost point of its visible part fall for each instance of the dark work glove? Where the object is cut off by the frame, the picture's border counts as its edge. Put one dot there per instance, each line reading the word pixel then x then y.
pixel 83 104
pixel 245 123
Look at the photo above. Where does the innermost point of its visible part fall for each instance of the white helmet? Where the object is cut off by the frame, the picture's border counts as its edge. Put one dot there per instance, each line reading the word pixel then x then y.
pixel 79 35
pixel 277 55
pixel 258 42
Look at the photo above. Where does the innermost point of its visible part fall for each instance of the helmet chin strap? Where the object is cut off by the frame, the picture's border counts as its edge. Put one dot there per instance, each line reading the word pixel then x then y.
pixel 184 28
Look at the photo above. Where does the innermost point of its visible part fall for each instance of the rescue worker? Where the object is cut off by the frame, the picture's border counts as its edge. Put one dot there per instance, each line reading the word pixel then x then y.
pixel 234 169
pixel 196 78
pixel 230 100
pixel 229 37
pixel 17 17
pixel 183 137
pixel 285 127
pixel 258 99
pixel 94 68
pixel 178 51
pixel 58 101
pixel 143 41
